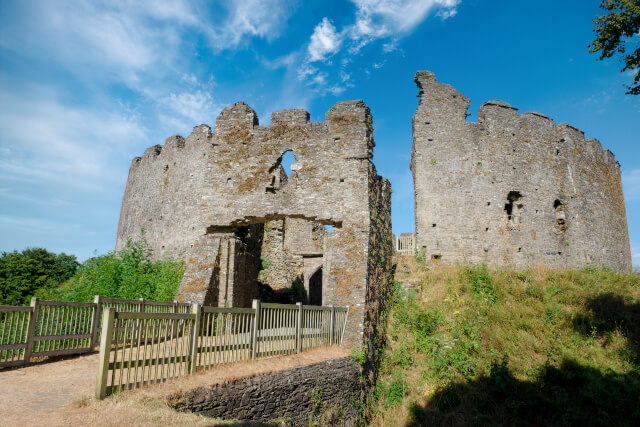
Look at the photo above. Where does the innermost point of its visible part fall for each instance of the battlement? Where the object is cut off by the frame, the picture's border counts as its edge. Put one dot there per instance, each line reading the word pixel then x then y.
pixel 501 119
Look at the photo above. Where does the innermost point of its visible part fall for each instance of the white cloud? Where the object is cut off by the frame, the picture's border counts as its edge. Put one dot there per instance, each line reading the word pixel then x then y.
pixel 261 18
pixel 387 20
pixel 131 40
pixel 631 185
pixel 447 13
pixel 394 18
pixel 280 62
pixel 324 41
pixel 44 140
pixel 123 37
pixel 197 107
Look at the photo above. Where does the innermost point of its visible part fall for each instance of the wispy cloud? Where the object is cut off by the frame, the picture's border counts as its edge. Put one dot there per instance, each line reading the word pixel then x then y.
pixel 394 18
pixel 135 43
pixel 45 140
pixel 253 18
pixel 186 109
pixel 387 20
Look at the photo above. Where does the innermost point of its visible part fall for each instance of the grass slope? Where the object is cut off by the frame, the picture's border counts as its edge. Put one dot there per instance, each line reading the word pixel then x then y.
pixel 478 346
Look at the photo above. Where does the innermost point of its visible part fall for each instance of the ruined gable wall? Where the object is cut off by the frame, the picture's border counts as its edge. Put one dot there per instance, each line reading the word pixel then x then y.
pixel 223 180
pixel 464 173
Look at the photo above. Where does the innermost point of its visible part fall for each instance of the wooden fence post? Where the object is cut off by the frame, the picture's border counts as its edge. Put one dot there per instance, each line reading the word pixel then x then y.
pixel 175 306
pixel 193 357
pixel 96 322
pixel 332 324
pixel 256 326
pixel 31 329
pixel 299 328
pixel 141 307
pixel 344 326
pixel 108 316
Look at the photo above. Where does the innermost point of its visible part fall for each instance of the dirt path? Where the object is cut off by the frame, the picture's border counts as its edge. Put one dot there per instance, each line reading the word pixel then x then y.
pixel 61 393
pixel 46 386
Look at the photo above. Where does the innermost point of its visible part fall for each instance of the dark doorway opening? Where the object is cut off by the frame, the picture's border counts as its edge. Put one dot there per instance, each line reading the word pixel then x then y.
pixel 315 288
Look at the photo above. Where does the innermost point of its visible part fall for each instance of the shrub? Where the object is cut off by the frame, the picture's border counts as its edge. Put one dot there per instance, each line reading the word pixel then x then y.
pixel 128 274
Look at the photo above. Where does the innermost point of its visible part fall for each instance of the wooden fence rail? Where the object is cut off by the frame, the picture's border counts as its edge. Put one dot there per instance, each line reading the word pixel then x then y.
pixel 54 328
pixel 141 348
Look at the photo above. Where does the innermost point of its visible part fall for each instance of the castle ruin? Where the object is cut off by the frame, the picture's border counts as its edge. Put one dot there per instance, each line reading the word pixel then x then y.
pixel 514 190
pixel 222 201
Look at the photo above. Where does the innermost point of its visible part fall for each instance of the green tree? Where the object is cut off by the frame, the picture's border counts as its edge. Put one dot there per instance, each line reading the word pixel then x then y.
pixel 23 274
pixel 621 25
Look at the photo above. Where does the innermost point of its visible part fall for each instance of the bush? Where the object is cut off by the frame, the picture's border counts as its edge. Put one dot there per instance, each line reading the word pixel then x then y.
pixel 128 274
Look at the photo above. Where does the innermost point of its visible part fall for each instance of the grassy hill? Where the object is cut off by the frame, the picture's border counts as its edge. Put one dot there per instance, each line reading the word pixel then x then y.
pixel 477 346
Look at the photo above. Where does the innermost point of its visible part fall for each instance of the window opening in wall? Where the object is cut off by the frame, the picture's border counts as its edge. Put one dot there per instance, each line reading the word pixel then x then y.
pixel 282 172
pixel 288 159
pixel 488 203
pixel 433 225
pixel 512 197
pixel 561 216
pixel 513 208
pixel 436 257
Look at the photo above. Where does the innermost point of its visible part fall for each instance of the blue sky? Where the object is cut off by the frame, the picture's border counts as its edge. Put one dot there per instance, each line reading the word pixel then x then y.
pixel 85 86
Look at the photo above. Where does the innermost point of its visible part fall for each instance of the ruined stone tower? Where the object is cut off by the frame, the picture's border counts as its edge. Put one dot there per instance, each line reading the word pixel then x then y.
pixel 512 189
pixel 220 199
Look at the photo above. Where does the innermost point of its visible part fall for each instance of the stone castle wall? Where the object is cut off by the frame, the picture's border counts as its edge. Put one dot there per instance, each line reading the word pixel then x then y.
pixel 209 197
pixel 512 189
pixel 285 245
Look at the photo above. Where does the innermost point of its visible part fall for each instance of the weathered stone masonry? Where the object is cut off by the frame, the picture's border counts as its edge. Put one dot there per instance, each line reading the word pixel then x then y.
pixel 208 199
pixel 296 393
pixel 512 189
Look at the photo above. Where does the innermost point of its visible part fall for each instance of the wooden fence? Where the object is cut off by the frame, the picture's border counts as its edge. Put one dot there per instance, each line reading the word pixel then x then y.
pixel 143 348
pixel 405 244
pixel 54 328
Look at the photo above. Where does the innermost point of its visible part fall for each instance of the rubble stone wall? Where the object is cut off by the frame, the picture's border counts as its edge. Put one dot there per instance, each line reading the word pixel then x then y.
pixel 323 392
pixel 512 189
pixel 191 193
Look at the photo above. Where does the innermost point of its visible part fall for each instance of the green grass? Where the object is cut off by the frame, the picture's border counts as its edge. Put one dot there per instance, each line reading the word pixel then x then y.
pixel 484 346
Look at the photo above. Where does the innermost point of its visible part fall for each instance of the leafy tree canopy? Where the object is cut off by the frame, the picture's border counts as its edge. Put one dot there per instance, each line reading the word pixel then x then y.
pixel 24 273
pixel 618 32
